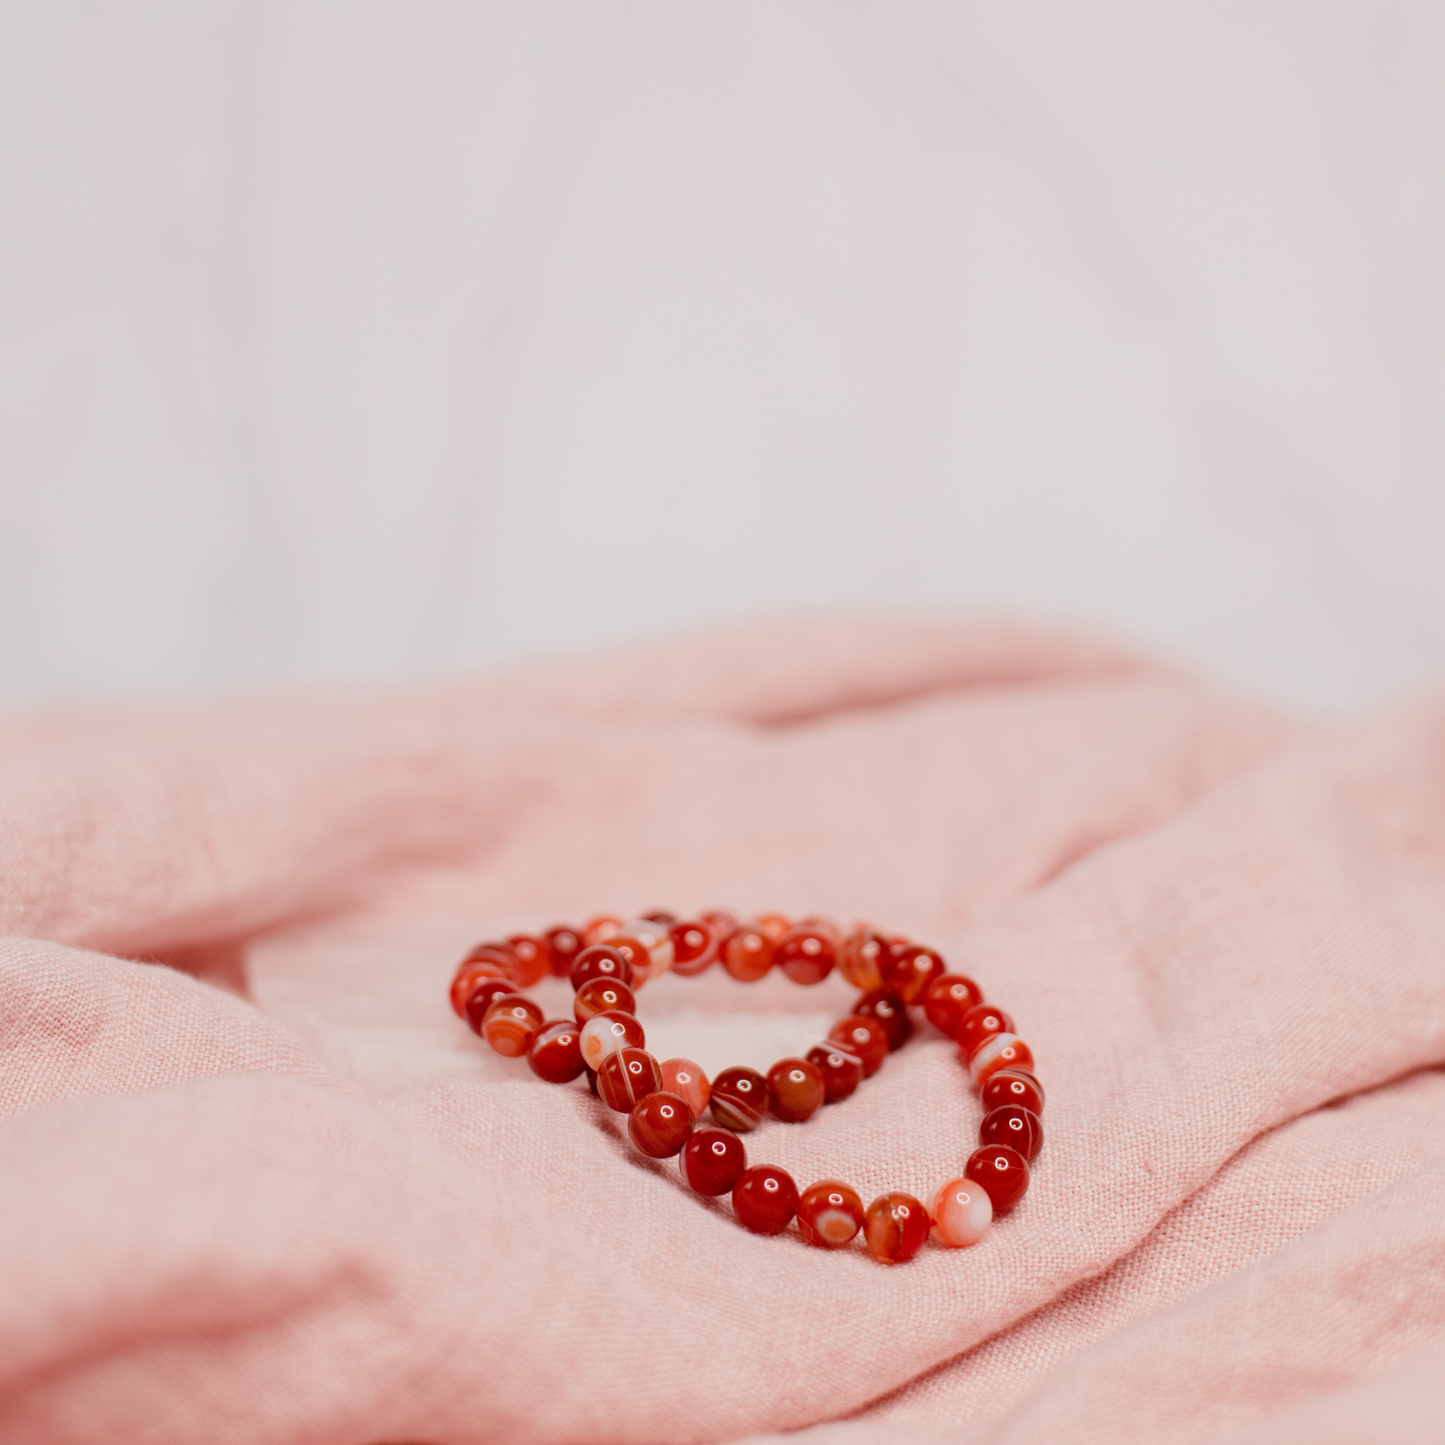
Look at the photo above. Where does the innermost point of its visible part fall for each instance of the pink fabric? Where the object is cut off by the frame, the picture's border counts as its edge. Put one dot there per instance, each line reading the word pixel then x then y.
pixel 276 1193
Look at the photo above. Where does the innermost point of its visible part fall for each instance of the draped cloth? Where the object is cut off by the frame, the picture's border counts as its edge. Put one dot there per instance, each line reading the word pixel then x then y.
pixel 261 1185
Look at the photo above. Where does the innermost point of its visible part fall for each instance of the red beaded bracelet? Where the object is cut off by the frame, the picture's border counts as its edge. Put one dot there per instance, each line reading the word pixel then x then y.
pixel 610 958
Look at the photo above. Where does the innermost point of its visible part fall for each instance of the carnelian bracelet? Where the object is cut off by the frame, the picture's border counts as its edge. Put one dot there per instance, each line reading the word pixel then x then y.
pixel 609 958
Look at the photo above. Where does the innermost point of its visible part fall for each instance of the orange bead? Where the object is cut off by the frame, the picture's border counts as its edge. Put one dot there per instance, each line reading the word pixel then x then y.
pixel 806 954
pixel 656 941
pixel 600 929
pixel 830 1214
pixel 864 1039
pixel 694 948
pixel 748 954
pixel 1002 1051
pixel 627 1076
pixel 554 1054
pixel 911 969
pixel 564 943
pixel 860 959
pixel 885 1005
pixel 603 995
pixel 683 1078
pixel 765 1199
pixel 962 1212
pixel 740 1098
pixel 797 1090
pixel 949 997
pixel 533 960
pixel 895 1228
pixel 606 1033
pixel 659 1124
pixel 485 992
pixel 775 925
pixel 511 1023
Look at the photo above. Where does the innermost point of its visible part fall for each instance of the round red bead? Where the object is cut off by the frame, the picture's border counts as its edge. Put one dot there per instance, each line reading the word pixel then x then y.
pixel 806 954
pixel 469 971
pixel 659 1124
pixel 949 997
pixel 638 957
pixel 627 1076
pixel 485 992
pixel 1013 1086
pixel 694 948
pixel 740 1098
pixel 864 1038
pixel 910 970
pixel 713 1160
pixel 896 1227
pixel 685 1079
pixel 748 953
pixel 1002 1051
pixel 842 1072
pixel 555 1055
pixel 533 961
pixel 603 995
pixel 765 1199
pixel 797 1090
pixel 861 957
pixel 511 1023
pixel 829 1214
pixel 564 943
pixel 980 1024
pixel 1015 1126
pixel 1002 1172
pixel 886 1005
pixel 606 1033
pixel 599 961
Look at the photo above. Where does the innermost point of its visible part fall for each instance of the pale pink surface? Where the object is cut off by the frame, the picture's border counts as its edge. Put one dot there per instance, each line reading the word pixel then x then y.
pixel 329 1215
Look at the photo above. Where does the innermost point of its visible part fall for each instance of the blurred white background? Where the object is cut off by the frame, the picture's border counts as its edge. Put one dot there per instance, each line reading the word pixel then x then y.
pixel 356 342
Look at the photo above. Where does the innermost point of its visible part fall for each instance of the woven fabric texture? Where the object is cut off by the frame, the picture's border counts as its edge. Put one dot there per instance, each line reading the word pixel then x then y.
pixel 259 1184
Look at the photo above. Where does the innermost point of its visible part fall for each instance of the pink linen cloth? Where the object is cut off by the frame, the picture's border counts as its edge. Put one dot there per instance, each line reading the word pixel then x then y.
pixel 275 1192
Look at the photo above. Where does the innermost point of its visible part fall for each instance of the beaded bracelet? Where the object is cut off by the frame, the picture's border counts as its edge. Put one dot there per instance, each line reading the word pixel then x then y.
pixel 609 958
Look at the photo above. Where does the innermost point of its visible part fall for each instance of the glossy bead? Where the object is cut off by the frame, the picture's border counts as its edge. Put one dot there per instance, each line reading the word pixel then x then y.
pixel 600 929
pixel 722 924
pixel 895 1228
pixel 775 925
pixel 564 943
pixel 1013 1086
pixel 656 939
pixel 860 958
pixel 511 1023
pixel 1015 1126
pixel 806 954
pixel 660 915
pixel 485 992
pixel 981 1022
pixel 1002 1051
pixel 842 1072
pixel 864 1038
pixel 533 961
pixel 829 1214
pixel 713 1160
pixel 555 1055
pixel 634 950
pixel 887 1007
pixel 1003 1172
pixel 694 948
pixel 962 1212
pixel 605 1033
pixel 797 1089
pixel 765 1199
pixel 659 1124
pixel 683 1078
pixel 949 997
pixel 470 970
pixel 603 995
pixel 598 960
pixel 910 970
pixel 748 953
pixel 627 1076
pixel 740 1098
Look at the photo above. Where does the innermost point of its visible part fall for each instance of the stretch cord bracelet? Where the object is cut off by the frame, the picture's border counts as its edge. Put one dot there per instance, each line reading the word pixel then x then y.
pixel 609 958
